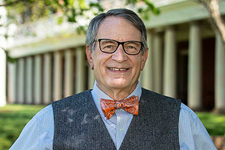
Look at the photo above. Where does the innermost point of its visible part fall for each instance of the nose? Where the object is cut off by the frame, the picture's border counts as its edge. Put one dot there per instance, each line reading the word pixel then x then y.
pixel 119 55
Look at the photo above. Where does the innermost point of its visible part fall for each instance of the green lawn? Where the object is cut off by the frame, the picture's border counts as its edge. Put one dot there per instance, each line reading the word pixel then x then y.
pixel 12 120
pixel 14 117
pixel 214 123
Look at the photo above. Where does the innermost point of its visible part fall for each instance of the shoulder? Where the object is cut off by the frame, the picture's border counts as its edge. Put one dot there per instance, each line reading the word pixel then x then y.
pixel 160 104
pixel 186 112
pixel 192 132
pixel 45 110
pixel 72 103
pixel 148 95
pixel 44 113
pixel 155 95
pixel 189 119
pixel 37 131
pixel 40 122
pixel 83 96
pixel 44 120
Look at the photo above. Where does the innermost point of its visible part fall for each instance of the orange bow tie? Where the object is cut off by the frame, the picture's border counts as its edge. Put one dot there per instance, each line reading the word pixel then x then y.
pixel 109 106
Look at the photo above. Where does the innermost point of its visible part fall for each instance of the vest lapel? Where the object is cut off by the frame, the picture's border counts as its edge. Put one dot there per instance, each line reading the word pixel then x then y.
pixel 138 129
pixel 97 129
pixel 155 127
pixel 77 128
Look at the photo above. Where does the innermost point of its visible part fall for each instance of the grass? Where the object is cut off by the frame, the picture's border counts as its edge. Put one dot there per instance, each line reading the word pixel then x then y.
pixel 13 118
pixel 214 123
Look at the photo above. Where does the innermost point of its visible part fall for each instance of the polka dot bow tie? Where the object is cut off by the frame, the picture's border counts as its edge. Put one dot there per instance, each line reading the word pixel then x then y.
pixel 109 106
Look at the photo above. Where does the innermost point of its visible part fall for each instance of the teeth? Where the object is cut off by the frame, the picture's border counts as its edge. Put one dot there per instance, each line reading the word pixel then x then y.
pixel 117 69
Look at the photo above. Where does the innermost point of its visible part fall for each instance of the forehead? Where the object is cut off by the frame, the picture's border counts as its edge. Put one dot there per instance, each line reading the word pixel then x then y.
pixel 118 28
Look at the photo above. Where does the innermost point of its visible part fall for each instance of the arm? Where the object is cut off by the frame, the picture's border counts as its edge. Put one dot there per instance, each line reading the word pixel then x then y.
pixel 38 133
pixel 192 133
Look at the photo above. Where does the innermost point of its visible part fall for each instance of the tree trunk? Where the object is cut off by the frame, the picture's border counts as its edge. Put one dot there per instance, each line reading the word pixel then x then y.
pixel 217 22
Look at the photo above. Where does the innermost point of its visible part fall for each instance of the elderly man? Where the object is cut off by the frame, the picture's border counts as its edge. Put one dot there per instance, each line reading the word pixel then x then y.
pixel 117 113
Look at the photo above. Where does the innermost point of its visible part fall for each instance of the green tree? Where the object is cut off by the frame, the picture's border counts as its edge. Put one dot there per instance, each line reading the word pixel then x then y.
pixel 22 11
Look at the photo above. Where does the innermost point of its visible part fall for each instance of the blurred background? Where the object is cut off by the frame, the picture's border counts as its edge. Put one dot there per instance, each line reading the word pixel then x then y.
pixel 42 56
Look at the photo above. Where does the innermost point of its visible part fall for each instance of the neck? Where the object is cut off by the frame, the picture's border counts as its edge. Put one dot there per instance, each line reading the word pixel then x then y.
pixel 118 93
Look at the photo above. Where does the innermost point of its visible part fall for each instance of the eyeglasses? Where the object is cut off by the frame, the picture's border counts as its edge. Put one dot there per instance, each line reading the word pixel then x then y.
pixel 110 46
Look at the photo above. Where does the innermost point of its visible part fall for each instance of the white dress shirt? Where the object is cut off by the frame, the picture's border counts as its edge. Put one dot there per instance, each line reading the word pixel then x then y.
pixel 39 132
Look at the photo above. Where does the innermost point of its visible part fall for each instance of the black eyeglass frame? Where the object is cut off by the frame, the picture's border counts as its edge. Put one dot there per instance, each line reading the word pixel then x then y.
pixel 122 43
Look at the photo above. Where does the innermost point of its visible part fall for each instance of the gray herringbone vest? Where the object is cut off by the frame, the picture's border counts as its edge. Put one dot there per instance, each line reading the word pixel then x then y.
pixel 78 125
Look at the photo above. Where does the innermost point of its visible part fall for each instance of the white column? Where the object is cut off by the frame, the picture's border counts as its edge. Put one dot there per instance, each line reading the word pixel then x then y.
pixel 158 63
pixel 37 79
pixel 68 73
pixel 29 80
pixel 57 88
pixel 219 76
pixel 3 44
pixel 148 70
pixel 80 70
pixel 2 78
pixel 194 68
pixel 21 81
pixel 169 78
pixel 91 78
pixel 12 82
pixel 47 85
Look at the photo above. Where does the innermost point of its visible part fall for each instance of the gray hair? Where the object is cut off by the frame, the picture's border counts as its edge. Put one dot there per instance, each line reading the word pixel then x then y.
pixel 127 14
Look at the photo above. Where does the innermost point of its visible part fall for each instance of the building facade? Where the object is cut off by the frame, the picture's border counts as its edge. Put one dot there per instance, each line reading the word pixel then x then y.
pixel 186 60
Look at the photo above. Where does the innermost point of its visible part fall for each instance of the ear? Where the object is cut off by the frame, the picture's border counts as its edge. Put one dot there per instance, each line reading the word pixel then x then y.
pixel 89 57
pixel 144 58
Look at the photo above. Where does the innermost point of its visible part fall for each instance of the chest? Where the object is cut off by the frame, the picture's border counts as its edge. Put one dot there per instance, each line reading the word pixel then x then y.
pixel 156 127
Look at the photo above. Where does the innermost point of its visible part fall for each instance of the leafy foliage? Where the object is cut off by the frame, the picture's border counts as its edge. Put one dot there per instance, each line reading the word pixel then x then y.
pixel 25 11
pixel 31 10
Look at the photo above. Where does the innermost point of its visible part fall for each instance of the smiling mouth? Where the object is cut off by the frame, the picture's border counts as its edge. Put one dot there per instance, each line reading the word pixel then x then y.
pixel 118 69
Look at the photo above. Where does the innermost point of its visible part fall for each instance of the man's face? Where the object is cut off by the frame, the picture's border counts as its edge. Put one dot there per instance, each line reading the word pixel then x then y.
pixel 116 71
